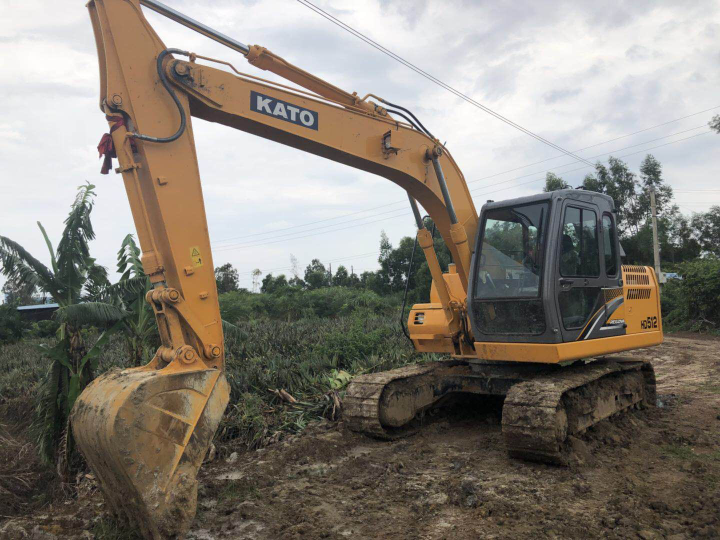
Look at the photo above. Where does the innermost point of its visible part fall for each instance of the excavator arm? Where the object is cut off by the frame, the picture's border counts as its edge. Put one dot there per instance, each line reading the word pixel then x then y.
pixel 145 431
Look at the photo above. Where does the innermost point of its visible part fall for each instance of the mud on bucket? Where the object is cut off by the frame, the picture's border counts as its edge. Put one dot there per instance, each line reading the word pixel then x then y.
pixel 144 434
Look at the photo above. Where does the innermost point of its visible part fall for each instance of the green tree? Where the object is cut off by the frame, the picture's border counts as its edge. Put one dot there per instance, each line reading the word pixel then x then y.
pixel 73 272
pixel 226 278
pixel 617 181
pixel 394 264
pixel 272 284
pixel 18 293
pixel 553 183
pixel 316 276
pixel 651 178
pixel 11 324
pixel 341 277
pixel 706 226
pixel 139 328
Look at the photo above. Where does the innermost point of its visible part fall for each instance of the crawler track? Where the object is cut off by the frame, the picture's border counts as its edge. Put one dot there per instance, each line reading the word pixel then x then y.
pixel 544 405
pixel 540 414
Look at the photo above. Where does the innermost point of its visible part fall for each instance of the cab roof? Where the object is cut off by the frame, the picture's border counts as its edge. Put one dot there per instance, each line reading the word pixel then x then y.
pixel 577 194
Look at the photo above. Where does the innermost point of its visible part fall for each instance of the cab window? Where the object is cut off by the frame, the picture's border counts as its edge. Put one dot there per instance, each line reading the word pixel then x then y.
pixel 609 243
pixel 511 252
pixel 579 249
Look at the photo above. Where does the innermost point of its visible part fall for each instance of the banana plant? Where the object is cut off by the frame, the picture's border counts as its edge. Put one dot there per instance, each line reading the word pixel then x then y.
pixel 71 280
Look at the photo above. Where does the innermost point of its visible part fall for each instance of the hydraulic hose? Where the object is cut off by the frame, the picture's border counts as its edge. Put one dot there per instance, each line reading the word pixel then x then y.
pixel 419 123
pixel 407 284
pixel 407 118
pixel 166 84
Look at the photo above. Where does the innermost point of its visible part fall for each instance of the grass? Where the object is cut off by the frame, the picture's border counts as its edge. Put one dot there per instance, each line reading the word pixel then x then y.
pixel 238 490
pixel 678 451
pixel 106 528
pixel 710 388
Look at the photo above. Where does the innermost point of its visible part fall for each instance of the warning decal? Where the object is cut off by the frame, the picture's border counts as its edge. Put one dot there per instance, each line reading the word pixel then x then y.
pixel 195 256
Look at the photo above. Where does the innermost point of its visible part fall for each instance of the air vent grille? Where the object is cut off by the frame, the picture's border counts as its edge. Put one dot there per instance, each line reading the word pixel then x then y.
pixel 635 269
pixel 638 294
pixel 637 279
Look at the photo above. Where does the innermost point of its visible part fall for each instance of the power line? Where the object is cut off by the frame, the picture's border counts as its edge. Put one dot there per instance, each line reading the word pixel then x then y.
pixel 433 79
pixel 334 226
pixel 243 246
pixel 585 166
pixel 322 226
pixel 591 157
pixel 311 223
pixel 349 257
pixel 477 180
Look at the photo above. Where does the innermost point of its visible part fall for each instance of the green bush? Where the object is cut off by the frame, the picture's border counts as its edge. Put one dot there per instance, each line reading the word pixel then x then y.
pixel 11 324
pixel 291 304
pixel 693 303
pixel 43 329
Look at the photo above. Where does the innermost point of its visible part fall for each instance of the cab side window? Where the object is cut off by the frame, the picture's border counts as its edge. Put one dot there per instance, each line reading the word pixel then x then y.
pixel 609 243
pixel 579 248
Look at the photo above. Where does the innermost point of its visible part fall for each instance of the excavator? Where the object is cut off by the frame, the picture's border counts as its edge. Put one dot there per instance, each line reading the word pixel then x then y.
pixel 534 307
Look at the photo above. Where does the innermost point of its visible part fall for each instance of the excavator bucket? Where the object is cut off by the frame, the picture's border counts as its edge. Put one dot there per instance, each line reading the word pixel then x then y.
pixel 145 433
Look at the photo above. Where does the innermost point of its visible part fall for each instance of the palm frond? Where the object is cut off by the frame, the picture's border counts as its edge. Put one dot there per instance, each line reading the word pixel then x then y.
pixel 129 263
pixel 90 313
pixel 96 281
pixel 73 258
pixel 232 332
pixel 128 287
pixel 17 263
pixel 46 422
pixel 49 246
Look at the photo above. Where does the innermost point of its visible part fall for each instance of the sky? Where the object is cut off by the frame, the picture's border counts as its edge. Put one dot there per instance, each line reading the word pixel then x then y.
pixel 596 76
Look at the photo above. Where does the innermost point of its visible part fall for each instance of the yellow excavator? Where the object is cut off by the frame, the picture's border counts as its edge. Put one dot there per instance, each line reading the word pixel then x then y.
pixel 534 302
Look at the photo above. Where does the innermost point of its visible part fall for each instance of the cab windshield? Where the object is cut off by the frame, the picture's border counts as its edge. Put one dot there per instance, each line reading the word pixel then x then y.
pixel 510 258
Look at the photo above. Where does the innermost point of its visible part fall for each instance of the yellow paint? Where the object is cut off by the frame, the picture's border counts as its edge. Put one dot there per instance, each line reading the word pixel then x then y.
pixel 554 353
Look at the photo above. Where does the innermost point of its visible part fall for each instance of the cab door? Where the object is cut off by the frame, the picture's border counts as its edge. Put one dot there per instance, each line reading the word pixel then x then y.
pixel 580 277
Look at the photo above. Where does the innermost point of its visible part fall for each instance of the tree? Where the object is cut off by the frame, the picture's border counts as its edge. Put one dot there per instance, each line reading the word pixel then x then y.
pixel 18 293
pixel 294 266
pixel 617 181
pixel 272 284
pixel 256 279
pixel 226 278
pixel 138 327
pixel 11 324
pixel 553 183
pixel 651 178
pixel 706 227
pixel 316 276
pixel 715 123
pixel 72 275
pixel 394 264
pixel 341 278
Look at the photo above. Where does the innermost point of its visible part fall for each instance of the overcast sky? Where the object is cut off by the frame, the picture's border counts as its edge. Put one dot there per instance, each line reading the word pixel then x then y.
pixel 578 73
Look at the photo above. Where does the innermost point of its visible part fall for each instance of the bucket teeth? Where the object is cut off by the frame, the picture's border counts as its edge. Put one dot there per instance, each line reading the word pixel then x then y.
pixel 145 434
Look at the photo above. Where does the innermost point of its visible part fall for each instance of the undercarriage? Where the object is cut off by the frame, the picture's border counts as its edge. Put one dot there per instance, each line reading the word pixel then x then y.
pixel 543 405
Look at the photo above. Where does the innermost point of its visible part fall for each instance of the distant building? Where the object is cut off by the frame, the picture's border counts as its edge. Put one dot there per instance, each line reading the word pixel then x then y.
pixel 37 312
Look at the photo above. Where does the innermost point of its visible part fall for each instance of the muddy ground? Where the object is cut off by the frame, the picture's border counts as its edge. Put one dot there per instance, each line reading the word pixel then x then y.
pixel 653 473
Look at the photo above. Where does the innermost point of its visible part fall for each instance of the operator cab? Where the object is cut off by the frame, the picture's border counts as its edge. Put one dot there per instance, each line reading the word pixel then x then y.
pixel 543 266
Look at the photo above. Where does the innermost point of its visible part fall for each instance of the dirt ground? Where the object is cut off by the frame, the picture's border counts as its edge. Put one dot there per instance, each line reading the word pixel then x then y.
pixel 650 474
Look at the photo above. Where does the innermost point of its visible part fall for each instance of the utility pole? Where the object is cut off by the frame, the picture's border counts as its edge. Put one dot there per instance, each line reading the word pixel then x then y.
pixel 656 247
